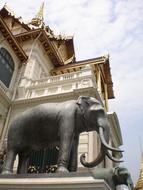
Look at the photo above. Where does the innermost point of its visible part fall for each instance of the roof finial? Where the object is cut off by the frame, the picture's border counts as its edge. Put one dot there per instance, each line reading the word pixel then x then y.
pixel 38 20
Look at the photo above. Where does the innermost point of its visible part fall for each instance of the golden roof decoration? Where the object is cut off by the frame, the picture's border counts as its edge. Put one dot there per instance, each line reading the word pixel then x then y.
pixel 106 56
pixel 11 12
pixel 7 34
pixel 6 10
pixel 139 185
pixel 38 20
pixel 70 60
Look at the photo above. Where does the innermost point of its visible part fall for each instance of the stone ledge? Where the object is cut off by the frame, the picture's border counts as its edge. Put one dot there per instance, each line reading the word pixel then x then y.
pixel 70 181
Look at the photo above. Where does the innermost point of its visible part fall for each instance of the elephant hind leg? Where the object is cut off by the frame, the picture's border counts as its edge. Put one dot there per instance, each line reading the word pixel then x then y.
pixel 22 163
pixel 9 162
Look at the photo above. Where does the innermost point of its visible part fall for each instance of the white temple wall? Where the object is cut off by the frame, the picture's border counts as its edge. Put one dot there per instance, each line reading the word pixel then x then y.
pixel 6 94
pixel 37 56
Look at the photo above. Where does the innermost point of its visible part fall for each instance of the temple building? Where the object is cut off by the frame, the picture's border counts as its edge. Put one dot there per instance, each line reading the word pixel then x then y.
pixel 37 66
pixel 139 185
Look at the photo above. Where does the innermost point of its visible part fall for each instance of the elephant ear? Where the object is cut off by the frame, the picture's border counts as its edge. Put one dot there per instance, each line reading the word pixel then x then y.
pixel 83 103
pixel 90 107
pixel 82 100
pixel 87 101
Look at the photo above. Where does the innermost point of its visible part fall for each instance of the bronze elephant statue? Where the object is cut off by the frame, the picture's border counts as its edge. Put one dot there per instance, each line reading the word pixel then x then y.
pixel 114 176
pixel 58 124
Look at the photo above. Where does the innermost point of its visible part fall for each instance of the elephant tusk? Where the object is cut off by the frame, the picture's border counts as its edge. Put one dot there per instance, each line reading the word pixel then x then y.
pixel 112 158
pixel 101 134
pixel 95 162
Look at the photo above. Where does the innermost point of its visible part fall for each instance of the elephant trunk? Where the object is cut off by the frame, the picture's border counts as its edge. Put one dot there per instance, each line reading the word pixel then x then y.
pixel 95 162
pixel 104 151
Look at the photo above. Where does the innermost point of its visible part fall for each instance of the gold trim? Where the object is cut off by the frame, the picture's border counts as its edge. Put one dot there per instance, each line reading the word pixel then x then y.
pixel 12 41
pixel 139 184
pixel 38 20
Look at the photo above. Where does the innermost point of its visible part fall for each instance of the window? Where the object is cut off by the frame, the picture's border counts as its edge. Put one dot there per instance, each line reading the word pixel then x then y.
pixel 6 66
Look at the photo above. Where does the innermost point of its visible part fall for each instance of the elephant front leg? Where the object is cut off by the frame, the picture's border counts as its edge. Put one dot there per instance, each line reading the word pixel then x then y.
pixel 64 153
pixel 66 138
pixel 73 162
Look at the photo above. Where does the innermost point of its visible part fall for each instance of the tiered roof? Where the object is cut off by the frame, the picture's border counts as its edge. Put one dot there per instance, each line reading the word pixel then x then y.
pixel 12 41
pixel 51 44
pixel 7 12
pixel 49 40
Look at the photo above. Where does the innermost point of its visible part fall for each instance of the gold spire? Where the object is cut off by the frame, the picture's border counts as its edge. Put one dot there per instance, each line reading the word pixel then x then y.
pixel 139 185
pixel 38 20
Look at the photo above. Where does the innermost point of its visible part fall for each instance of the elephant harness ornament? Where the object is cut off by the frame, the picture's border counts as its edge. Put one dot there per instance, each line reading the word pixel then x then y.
pixel 58 124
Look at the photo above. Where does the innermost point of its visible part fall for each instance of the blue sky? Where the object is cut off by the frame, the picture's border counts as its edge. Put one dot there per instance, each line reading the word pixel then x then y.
pixel 101 27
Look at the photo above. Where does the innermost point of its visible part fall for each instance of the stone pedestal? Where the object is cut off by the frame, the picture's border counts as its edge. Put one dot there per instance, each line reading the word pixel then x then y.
pixel 71 181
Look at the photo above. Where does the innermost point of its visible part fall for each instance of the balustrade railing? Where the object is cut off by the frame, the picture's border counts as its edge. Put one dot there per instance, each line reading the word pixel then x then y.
pixel 63 77
pixel 60 84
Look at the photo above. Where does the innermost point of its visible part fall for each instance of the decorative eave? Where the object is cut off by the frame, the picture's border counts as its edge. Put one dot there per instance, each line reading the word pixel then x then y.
pixel 47 41
pixel 7 12
pixel 108 76
pixel 99 61
pixel 77 65
pixel 69 44
pixel 12 41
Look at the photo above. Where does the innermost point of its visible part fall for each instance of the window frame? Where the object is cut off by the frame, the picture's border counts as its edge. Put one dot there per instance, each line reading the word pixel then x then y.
pixel 6 67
